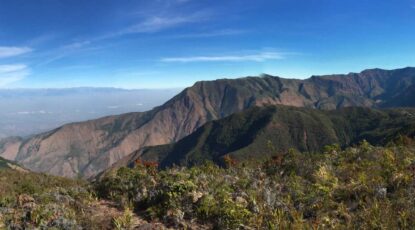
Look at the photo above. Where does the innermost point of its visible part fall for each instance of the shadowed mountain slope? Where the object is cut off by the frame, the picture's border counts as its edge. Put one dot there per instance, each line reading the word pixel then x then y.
pixel 262 131
pixel 86 148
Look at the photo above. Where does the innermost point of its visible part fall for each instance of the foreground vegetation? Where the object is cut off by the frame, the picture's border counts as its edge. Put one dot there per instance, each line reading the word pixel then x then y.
pixel 31 200
pixel 359 187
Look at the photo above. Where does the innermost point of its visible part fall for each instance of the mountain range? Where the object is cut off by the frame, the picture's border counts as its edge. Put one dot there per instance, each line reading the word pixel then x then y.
pixel 84 149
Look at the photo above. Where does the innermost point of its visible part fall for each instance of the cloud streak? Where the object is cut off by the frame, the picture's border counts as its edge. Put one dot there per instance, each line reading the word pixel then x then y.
pixel 260 57
pixel 12 73
pixel 11 51
pixel 147 25
pixel 209 34
pixel 155 24
pixel 76 45
pixel 11 68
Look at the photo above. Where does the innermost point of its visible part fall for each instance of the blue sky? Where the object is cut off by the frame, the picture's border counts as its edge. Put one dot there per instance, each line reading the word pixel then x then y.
pixel 173 43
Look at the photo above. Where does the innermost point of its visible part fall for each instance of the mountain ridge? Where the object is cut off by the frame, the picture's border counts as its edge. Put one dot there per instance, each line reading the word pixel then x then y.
pixel 86 148
pixel 261 132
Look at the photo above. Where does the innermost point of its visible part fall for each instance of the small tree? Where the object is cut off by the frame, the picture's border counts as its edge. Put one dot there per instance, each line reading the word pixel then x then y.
pixel 229 161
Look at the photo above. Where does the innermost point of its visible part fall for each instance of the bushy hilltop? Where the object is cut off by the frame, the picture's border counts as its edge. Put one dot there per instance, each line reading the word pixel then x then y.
pixel 247 135
pixel 86 148
pixel 38 201
pixel 31 200
pixel 360 187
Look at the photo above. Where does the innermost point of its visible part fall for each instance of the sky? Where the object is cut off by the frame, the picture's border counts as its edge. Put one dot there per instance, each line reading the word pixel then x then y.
pixel 174 43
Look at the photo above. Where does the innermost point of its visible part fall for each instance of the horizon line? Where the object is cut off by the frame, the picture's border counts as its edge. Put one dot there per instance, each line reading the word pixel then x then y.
pixel 183 87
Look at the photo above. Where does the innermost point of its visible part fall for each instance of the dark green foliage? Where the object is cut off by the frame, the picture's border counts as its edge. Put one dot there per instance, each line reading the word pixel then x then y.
pixel 5 164
pixel 229 134
pixel 245 135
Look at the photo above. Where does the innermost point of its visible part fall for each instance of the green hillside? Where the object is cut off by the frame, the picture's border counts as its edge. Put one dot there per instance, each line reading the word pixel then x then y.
pixel 262 131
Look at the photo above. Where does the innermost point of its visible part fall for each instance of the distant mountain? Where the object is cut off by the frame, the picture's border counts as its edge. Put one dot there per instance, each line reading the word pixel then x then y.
pixel 263 131
pixel 26 112
pixel 86 148
pixel 9 147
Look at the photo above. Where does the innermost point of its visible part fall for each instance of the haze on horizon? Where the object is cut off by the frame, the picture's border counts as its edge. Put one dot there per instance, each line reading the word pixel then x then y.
pixel 173 43
pixel 25 112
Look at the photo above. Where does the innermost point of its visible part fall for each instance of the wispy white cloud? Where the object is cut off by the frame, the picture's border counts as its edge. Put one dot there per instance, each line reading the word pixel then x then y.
pixel 146 25
pixel 33 112
pixel 11 68
pixel 153 24
pixel 146 21
pixel 76 45
pixel 11 51
pixel 77 67
pixel 65 51
pixel 182 1
pixel 41 39
pixel 259 57
pixel 216 33
pixel 12 73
